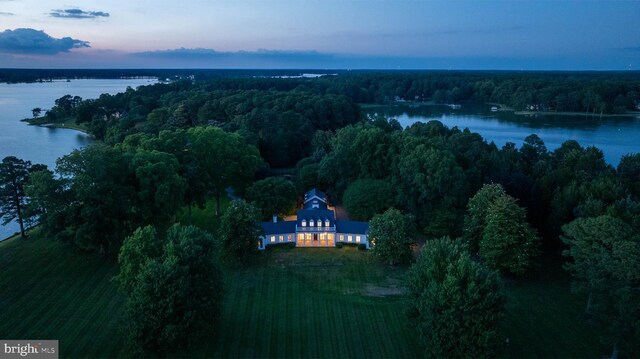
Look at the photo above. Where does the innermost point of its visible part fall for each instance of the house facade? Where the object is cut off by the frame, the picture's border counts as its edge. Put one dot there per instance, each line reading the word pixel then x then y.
pixel 315 226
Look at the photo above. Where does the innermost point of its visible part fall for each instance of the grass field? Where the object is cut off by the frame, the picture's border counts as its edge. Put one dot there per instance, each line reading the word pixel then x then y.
pixel 324 303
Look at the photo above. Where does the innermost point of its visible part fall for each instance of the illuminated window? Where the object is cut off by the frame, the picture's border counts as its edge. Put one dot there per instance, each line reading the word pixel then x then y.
pixel 342 237
pixel 273 238
pixel 331 236
pixel 319 223
pixel 326 223
pixel 282 238
pixel 304 223
pixel 300 236
pixel 289 237
pixel 349 238
pixel 323 236
pixel 311 223
pixel 357 239
pixel 308 236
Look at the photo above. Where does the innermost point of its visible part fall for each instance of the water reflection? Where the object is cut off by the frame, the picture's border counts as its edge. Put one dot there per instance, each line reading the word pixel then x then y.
pixel 615 136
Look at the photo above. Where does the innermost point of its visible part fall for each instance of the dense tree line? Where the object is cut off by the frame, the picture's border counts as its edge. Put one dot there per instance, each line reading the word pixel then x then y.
pixel 281 115
pixel 100 194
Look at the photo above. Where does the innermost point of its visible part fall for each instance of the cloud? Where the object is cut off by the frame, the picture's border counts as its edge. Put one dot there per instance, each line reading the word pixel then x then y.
pixel 77 14
pixel 6 14
pixel 36 42
pixel 201 57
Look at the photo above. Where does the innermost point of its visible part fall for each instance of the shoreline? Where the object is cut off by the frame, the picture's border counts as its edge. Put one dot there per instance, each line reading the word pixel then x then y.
pixel 583 114
pixel 504 108
pixel 66 124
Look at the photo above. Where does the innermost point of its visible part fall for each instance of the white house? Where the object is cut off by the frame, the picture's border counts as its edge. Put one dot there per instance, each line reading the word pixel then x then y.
pixel 315 226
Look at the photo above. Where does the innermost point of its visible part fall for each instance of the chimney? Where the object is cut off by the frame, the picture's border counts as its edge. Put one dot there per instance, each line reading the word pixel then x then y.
pixel 275 218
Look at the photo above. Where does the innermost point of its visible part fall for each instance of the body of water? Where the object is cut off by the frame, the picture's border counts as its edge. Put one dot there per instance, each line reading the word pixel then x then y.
pixel 615 136
pixel 40 144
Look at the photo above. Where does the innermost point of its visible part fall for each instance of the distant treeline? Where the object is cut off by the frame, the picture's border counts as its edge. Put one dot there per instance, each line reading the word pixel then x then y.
pixel 42 75
pixel 280 115
pixel 590 92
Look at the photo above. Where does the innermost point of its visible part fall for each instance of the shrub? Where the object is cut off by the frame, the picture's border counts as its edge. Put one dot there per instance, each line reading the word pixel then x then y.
pixel 339 245
pixel 291 245
pixel 362 246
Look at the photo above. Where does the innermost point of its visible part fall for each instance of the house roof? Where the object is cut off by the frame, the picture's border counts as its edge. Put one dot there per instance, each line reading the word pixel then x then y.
pixel 280 227
pixel 316 214
pixel 315 199
pixel 352 227
pixel 315 193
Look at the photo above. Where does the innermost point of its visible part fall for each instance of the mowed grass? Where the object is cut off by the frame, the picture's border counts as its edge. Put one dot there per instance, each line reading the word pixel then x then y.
pixel 290 303
pixel 545 320
pixel 48 291
pixel 323 303
pixel 204 218
pixel 315 303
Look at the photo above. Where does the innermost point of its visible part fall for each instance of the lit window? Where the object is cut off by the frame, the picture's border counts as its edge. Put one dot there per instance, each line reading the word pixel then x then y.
pixel 342 237
pixel 308 236
pixel 282 238
pixel 350 238
pixel 311 223
pixel 323 236
pixel 304 223
pixel 357 239
pixel 319 223
pixel 300 236
pixel 326 223
pixel 273 238
pixel 331 236
pixel 289 237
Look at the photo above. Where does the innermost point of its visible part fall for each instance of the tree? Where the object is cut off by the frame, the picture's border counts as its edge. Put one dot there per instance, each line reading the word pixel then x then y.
pixel 101 212
pixel 365 198
pixel 14 175
pixel 629 171
pixel 431 184
pixel 474 221
pixel 239 232
pixel 49 201
pixel 160 189
pixel 456 304
pixel 174 295
pixel 211 160
pixel 508 243
pixel 142 245
pixel 36 112
pixel 392 236
pixel 605 253
pixel 496 228
pixel 273 195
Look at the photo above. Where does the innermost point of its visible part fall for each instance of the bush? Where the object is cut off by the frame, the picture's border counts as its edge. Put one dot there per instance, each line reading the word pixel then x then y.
pixel 291 245
pixel 362 247
pixel 339 245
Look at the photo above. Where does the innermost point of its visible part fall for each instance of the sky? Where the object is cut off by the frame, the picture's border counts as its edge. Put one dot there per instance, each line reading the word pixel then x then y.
pixel 323 34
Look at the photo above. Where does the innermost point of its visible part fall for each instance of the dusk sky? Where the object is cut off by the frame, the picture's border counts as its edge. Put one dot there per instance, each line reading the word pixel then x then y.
pixel 379 34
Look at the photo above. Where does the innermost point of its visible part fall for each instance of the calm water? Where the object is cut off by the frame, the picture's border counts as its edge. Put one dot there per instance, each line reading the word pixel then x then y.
pixel 615 136
pixel 39 144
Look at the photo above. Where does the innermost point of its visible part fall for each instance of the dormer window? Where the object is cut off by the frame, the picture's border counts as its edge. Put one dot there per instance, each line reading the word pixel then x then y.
pixel 326 223
pixel 319 223
pixel 304 223
pixel 311 224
